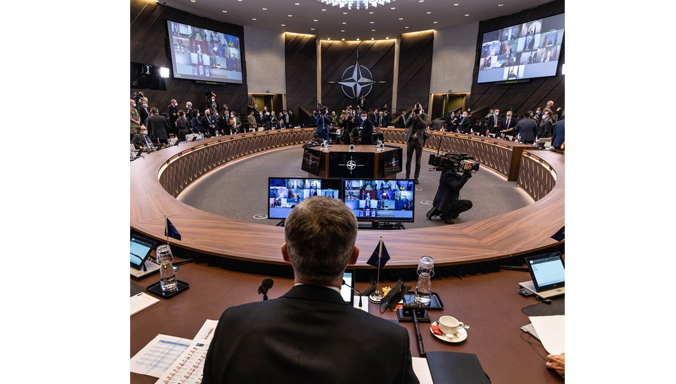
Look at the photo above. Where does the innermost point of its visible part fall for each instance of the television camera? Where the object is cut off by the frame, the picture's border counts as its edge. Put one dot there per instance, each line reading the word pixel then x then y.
pixel 453 160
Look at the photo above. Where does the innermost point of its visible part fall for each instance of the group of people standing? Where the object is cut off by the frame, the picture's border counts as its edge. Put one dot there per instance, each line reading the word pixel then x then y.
pixel 269 119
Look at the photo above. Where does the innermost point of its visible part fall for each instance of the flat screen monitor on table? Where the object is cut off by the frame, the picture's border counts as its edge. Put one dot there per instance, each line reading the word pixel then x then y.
pixel 285 193
pixel 380 199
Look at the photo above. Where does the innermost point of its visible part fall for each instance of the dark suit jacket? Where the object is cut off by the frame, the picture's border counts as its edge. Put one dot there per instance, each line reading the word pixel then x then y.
pixel 417 125
pixel 448 192
pixel 527 128
pixel 463 125
pixel 559 136
pixel 490 126
pixel 309 335
pixel 173 114
pixel 545 129
pixel 158 127
pixel 367 131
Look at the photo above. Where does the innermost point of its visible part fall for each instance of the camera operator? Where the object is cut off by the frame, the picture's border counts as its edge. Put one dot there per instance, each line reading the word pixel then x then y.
pixel 446 202
pixel 415 138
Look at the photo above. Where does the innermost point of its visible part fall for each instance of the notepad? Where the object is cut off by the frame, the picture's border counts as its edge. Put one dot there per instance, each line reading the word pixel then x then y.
pixel 140 302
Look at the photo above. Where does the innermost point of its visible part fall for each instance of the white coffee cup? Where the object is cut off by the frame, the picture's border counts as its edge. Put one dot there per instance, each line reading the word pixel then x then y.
pixel 449 325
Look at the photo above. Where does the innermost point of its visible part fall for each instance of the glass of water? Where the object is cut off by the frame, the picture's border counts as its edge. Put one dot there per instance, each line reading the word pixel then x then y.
pixel 423 289
pixel 165 258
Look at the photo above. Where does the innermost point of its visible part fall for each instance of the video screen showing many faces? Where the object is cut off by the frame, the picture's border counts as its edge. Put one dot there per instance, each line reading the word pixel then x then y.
pixel 285 194
pixel 202 54
pixel 387 200
pixel 523 51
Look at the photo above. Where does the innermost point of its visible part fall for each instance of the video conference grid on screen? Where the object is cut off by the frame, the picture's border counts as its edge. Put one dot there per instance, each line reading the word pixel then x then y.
pixel 285 194
pixel 522 51
pixel 202 54
pixel 383 200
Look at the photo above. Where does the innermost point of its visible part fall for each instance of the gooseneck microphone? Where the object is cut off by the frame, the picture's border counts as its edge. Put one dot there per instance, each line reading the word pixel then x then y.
pixel 359 293
pixel 265 285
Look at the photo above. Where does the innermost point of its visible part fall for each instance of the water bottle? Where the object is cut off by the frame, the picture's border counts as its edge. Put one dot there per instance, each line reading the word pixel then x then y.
pixel 168 280
pixel 423 289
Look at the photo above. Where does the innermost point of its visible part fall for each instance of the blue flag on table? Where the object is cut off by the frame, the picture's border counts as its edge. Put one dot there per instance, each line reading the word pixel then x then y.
pixel 373 260
pixel 170 230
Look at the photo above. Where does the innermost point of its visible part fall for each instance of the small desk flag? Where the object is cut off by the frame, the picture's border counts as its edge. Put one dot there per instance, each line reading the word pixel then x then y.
pixel 170 231
pixel 373 260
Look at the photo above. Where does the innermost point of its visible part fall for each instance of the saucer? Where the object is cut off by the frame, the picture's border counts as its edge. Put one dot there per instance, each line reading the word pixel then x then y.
pixel 459 337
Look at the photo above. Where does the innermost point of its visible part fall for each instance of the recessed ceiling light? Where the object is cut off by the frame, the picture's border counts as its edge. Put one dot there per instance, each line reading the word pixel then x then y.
pixel 429 13
pixel 254 19
pixel 401 18
pixel 357 39
pixel 342 30
pixel 324 10
pixel 372 22
pixel 328 38
pixel 265 9
pixel 316 20
pixel 373 30
pixel 500 5
pixel 393 8
pixel 297 3
pixel 283 25
pixel 344 22
pixel 239 1
pixel 312 29
pixel 372 38
pixel 343 39
pixel 422 1
pixel 371 13
pixel 406 27
pixel 344 13
pixel 456 4
pixel 192 1
pixel 225 11
pixel 466 14
pixel 387 38
pixel 436 22
pixel 290 15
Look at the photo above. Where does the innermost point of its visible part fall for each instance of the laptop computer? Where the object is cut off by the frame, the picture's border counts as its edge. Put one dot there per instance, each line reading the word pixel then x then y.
pixel 548 273
pixel 139 250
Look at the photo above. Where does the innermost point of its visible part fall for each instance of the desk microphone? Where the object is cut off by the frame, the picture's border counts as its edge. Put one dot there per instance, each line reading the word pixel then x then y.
pixel 359 293
pixel 265 285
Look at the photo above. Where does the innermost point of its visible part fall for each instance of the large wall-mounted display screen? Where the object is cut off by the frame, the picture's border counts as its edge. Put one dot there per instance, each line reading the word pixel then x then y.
pixel 202 54
pixel 522 51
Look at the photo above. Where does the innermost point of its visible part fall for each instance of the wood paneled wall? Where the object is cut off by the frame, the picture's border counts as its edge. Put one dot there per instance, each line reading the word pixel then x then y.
pixel 301 71
pixel 415 69
pixel 337 56
pixel 524 96
pixel 149 44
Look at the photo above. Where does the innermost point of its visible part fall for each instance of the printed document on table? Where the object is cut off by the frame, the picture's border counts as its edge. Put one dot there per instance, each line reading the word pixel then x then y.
pixel 552 332
pixel 422 370
pixel 189 367
pixel 159 355
pixel 206 333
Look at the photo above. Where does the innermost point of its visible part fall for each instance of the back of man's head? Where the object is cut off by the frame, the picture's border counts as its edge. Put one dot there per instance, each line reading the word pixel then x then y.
pixel 320 234
pixel 154 110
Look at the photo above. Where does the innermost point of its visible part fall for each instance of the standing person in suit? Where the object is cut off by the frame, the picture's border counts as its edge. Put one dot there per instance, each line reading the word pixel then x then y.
pixel 309 334
pixel 559 135
pixel 508 124
pixel 158 127
pixel 173 115
pixel 196 125
pixel 323 123
pixel 415 138
pixel 290 118
pixel 545 128
pixel 207 126
pixel 347 127
pixel 402 120
pixel 144 111
pixel 365 130
pixel 182 127
pixel 526 128
pixel 463 123
pixel 452 122
pixel 235 123
pixel 188 113
pixel 494 124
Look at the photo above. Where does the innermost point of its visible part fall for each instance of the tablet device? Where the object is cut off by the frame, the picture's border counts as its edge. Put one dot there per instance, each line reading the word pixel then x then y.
pixel 547 271
pixel 345 291
pixel 139 251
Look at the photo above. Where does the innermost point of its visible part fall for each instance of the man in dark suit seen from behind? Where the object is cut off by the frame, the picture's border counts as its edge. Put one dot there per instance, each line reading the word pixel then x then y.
pixel 526 128
pixel 158 127
pixel 416 125
pixel 310 335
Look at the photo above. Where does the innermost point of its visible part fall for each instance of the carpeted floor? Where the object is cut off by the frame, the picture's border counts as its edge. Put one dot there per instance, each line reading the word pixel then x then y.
pixel 240 190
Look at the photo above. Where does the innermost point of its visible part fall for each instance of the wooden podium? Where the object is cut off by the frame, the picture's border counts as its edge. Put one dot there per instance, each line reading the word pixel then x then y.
pixel 365 162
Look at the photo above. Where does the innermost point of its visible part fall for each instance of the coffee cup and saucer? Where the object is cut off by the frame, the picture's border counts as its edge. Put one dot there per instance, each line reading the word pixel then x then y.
pixel 452 330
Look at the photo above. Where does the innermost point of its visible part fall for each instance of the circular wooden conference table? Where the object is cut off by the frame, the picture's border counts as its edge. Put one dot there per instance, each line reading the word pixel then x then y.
pixel 158 178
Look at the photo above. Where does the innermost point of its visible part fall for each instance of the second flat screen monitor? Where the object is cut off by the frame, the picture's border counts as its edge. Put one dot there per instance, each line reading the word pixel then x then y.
pixel 285 193
pixel 380 200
